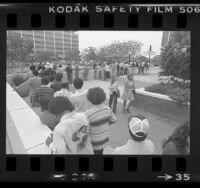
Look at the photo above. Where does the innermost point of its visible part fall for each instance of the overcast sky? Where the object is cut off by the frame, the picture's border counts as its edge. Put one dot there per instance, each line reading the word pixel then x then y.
pixel 101 38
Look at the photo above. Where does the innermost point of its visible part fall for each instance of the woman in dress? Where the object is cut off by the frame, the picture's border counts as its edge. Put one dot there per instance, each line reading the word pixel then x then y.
pixel 113 87
pixel 129 93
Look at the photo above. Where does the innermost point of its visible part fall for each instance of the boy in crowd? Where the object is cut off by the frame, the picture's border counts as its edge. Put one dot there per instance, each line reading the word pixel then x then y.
pixel 34 83
pixel 64 92
pixel 79 99
pixel 138 144
pixel 71 135
pixel 100 117
pixel 44 90
pixel 46 117
pixel 51 80
pixel 56 86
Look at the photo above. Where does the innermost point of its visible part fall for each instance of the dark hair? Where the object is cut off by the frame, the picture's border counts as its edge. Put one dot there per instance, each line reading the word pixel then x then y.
pixel 60 65
pixel 58 105
pixel 78 83
pixel 59 76
pixel 44 101
pixel 179 137
pixel 45 80
pixel 51 78
pixel 35 72
pixel 32 67
pixel 65 85
pixel 96 95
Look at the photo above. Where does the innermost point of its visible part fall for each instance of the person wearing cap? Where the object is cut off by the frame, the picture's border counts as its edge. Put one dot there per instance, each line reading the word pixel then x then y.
pixel 138 144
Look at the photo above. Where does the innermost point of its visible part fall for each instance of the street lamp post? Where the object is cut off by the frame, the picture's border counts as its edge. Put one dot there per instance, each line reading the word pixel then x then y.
pixel 150 54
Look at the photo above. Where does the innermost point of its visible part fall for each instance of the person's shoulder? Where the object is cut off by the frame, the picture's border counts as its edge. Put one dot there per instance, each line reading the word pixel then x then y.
pixel 170 149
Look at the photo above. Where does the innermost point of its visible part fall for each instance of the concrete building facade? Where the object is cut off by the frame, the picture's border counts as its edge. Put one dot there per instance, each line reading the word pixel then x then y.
pixel 57 42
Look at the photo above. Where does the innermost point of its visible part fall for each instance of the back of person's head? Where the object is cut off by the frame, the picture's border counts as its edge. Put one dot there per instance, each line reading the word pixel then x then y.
pixel 35 72
pixel 180 137
pixel 51 78
pixel 32 67
pixel 45 80
pixel 138 127
pixel 78 83
pixel 59 65
pixel 44 102
pixel 59 77
pixel 65 85
pixel 130 76
pixel 96 95
pixel 58 105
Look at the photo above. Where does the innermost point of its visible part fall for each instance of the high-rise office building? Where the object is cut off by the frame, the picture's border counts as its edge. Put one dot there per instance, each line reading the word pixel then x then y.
pixel 57 42
pixel 173 37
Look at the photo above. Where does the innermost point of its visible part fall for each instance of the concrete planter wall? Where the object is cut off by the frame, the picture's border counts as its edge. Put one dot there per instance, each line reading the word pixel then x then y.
pixel 162 105
pixel 27 134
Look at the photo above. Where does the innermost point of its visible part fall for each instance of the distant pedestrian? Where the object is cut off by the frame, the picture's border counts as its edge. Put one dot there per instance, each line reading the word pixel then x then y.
pixel 69 72
pixel 113 87
pixel 129 93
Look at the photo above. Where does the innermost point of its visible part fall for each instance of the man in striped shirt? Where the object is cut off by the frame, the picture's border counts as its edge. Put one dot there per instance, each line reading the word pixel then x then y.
pixel 44 91
pixel 100 117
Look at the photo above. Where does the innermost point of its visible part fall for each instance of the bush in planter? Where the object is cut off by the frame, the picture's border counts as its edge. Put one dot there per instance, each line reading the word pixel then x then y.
pixel 22 90
pixel 180 95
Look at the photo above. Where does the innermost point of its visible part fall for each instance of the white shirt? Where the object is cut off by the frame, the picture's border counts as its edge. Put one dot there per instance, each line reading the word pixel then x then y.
pixel 71 135
pixel 63 93
pixel 132 147
pixel 79 100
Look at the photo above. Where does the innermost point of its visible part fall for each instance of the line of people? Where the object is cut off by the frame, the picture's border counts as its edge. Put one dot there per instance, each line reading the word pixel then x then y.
pixel 80 121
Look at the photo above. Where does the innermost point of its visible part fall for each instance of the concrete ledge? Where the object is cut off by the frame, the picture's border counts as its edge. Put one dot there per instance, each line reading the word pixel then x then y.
pixel 162 105
pixel 25 131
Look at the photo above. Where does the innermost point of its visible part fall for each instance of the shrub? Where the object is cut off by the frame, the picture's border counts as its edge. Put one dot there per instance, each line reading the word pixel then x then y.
pixel 180 95
pixel 19 79
pixel 178 92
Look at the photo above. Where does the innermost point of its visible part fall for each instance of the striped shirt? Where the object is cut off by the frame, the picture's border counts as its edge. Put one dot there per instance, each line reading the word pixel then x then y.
pixel 100 116
pixel 44 91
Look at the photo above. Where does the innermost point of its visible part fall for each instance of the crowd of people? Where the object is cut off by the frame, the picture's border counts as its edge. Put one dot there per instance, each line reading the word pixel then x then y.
pixel 80 120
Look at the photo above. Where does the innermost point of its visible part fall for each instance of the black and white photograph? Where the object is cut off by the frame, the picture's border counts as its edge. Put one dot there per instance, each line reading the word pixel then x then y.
pixel 98 92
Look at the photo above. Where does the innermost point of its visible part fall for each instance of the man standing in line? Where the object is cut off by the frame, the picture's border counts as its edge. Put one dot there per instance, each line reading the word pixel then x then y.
pixel 69 73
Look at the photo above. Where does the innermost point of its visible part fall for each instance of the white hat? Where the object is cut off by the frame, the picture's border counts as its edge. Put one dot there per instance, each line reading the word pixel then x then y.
pixel 138 124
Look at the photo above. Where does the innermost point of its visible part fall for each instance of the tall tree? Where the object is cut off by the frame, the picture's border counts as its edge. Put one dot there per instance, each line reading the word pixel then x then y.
pixel 18 49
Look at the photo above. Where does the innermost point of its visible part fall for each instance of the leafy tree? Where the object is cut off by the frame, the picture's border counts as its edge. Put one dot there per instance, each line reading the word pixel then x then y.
pixel 18 49
pixel 73 55
pixel 175 60
pixel 89 54
pixel 119 51
pixel 44 56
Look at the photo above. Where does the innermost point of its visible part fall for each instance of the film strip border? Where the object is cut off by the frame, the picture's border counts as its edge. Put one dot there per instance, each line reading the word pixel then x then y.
pixel 77 168
pixel 109 21
pixel 96 168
